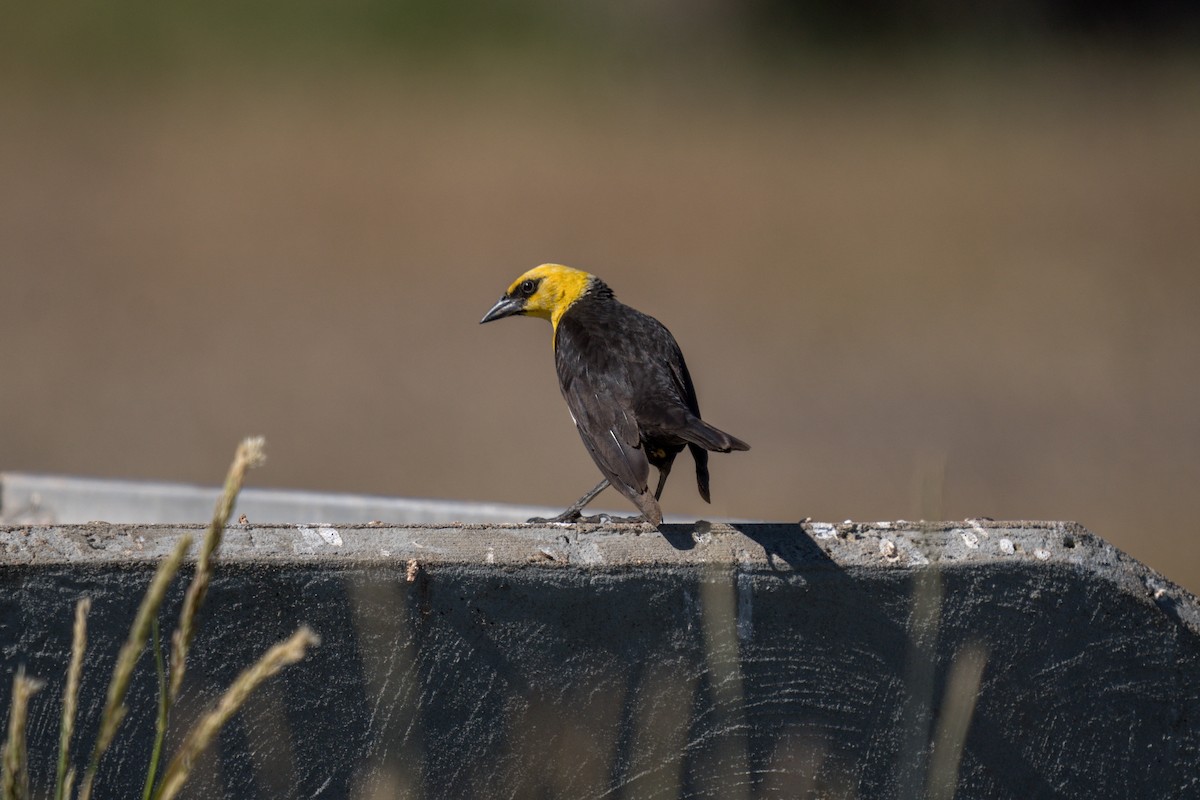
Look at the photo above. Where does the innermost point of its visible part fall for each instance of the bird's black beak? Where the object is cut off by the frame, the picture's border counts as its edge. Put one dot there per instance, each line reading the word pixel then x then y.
pixel 505 307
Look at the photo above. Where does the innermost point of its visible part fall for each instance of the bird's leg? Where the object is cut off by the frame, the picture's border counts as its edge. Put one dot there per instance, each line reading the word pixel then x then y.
pixel 663 472
pixel 573 513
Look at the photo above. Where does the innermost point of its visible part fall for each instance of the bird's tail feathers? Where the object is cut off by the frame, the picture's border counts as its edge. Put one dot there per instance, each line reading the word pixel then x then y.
pixel 701 457
pixel 699 432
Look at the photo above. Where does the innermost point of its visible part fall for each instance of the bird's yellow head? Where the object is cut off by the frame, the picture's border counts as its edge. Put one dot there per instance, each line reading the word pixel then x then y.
pixel 546 291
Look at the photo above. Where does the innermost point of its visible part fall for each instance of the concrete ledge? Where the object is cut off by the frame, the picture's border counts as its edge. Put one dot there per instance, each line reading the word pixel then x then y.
pixel 706 660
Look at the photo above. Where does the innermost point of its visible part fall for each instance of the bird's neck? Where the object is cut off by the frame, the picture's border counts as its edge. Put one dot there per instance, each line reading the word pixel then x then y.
pixel 579 287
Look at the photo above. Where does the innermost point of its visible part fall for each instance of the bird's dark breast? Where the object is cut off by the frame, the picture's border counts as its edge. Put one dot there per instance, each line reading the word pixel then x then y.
pixel 618 345
pixel 629 359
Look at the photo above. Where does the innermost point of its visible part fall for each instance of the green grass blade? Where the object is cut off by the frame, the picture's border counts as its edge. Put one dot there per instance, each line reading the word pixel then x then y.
pixel 114 708
pixel 160 724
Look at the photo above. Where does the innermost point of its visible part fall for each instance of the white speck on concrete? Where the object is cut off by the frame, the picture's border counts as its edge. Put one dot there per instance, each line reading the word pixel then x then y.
pixel 913 554
pixel 312 538
pixel 1041 554
pixel 969 539
pixel 587 552
pixel 823 530
pixel 1007 547
pixel 490 558
pixel 887 549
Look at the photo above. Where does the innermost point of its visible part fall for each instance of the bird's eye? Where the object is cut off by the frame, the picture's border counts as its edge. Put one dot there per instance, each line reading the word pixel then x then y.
pixel 527 288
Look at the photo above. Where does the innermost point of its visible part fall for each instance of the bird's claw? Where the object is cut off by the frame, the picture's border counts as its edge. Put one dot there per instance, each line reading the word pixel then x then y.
pixel 596 519
pixel 570 515
pixel 636 519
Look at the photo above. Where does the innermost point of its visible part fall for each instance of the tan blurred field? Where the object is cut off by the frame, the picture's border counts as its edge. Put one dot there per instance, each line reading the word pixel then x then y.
pixel 916 293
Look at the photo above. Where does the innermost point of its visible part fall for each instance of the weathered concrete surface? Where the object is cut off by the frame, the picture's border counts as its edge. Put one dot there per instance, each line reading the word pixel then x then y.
pixel 578 661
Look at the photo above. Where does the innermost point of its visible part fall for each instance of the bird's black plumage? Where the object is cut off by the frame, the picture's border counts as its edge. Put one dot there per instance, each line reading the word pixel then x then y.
pixel 628 389
pixel 625 383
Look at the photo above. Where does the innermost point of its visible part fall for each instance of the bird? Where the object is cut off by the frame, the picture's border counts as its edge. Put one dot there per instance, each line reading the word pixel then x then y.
pixel 625 382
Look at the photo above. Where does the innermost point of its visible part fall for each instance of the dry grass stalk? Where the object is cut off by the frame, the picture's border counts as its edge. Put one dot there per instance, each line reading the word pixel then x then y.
pixel 962 691
pixel 198 739
pixel 250 453
pixel 71 698
pixel 14 780
pixel 114 707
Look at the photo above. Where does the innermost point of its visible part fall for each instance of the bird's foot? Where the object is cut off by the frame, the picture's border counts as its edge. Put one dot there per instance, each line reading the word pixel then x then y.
pixel 607 518
pixel 576 516
pixel 570 515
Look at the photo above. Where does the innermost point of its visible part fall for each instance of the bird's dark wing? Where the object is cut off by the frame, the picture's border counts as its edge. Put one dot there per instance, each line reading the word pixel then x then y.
pixel 610 434
pixel 598 395
pixel 667 406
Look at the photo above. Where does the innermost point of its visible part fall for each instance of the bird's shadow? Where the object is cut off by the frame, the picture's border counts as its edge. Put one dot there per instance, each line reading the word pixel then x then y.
pixel 791 551
pixel 681 536
pixel 781 542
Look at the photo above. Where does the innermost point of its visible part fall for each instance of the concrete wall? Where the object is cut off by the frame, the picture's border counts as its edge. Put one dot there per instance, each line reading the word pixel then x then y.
pixel 705 661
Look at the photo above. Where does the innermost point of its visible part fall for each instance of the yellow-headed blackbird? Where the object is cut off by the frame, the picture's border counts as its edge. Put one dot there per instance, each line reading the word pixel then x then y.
pixel 625 383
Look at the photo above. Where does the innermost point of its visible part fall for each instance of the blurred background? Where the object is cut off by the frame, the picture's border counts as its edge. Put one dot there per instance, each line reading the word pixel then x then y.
pixel 932 260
